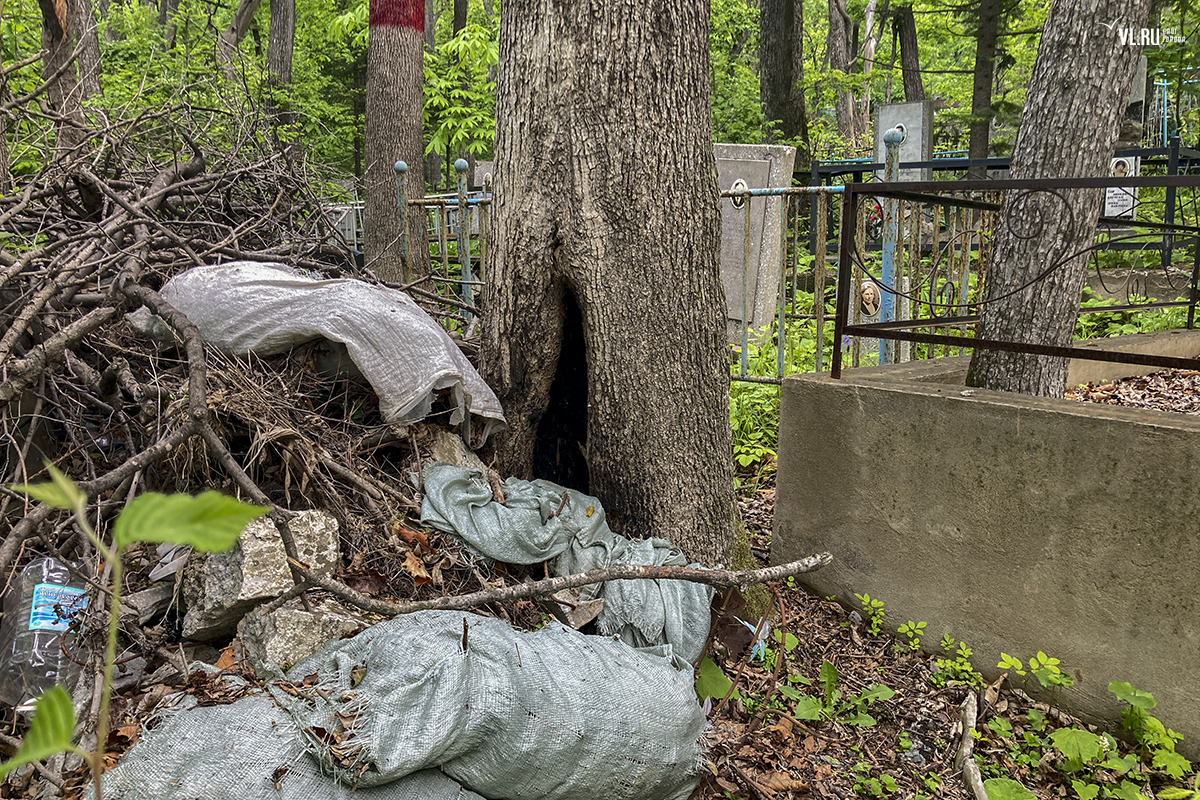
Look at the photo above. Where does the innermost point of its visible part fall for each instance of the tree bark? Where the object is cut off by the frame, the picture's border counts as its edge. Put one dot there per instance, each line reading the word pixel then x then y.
pixel 280 40
pixel 1073 109
pixel 83 23
pixel 839 59
pixel 431 18
pixel 395 72
pixel 910 61
pixel 604 302
pixel 870 43
pixel 781 60
pixel 460 16
pixel 232 36
pixel 63 92
pixel 981 86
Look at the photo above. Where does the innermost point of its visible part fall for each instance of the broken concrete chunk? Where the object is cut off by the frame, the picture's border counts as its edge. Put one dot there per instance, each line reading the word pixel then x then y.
pixel 449 447
pixel 316 537
pixel 219 588
pixel 152 601
pixel 291 634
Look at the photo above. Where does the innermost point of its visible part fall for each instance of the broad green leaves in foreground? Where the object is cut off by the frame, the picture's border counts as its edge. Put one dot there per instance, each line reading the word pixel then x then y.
pixel 208 522
pixel 50 731
pixel 59 493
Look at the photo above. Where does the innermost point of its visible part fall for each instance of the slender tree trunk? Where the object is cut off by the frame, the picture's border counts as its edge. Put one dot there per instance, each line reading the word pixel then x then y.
pixel 431 18
pixel 433 164
pixel 781 60
pixel 460 16
pixel 83 23
pixel 280 40
pixel 870 44
pixel 232 36
pixel 604 308
pixel 910 62
pixel 63 93
pixel 395 72
pixel 166 18
pixel 839 59
pixel 1071 120
pixel 5 162
pixel 981 86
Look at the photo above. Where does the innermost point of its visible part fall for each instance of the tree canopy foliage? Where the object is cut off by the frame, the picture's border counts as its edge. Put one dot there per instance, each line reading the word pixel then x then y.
pixel 152 55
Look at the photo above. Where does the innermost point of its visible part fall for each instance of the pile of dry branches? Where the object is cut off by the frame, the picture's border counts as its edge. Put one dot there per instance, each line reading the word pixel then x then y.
pixel 91 236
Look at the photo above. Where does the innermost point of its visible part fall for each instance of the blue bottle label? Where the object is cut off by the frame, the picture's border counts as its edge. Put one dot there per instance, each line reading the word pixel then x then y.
pixel 54 605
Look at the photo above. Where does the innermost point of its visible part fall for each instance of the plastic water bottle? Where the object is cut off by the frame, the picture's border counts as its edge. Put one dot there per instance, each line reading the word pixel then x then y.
pixel 37 612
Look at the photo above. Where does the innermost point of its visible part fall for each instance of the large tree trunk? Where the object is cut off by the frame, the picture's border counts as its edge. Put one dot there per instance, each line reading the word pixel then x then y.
pixel 839 59
pixel 604 307
pixel 981 86
pixel 395 72
pixel 280 40
pixel 232 36
pixel 83 23
pixel 910 61
pixel 781 61
pixel 1073 109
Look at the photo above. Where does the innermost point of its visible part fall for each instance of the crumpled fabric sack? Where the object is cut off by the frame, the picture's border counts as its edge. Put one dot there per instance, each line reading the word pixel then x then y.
pixel 436 705
pixel 242 751
pixel 535 524
pixel 251 307
pixel 549 715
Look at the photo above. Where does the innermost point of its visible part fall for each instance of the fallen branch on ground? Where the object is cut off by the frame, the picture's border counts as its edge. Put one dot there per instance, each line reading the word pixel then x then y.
pixel 617 572
pixel 963 760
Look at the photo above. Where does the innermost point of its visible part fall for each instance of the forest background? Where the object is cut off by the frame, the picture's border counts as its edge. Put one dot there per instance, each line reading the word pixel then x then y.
pixel 214 58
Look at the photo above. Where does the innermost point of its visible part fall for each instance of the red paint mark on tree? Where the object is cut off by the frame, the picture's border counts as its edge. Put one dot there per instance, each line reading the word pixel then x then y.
pixel 398 14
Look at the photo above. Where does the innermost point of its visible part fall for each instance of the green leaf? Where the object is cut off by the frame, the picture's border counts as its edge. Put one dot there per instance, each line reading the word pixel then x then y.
pixel 1126 791
pixel 1135 697
pixel 861 718
pixel 790 693
pixel 713 682
pixel 809 708
pixel 61 492
pixel 1174 793
pixel 1172 763
pixel 50 731
pixel 1085 791
pixel 1000 727
pixel 829 679
pixel 208 522
pixel 1077 745
pixel 877 692
pixel 1120 765
pixel 790 642
pixel 1006 789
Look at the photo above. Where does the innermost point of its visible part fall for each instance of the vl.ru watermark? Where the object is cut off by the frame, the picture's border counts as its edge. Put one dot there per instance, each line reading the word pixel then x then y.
pixel 1145 37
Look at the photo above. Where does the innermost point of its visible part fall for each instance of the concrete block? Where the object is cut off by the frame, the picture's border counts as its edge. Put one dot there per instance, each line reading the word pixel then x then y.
pixel 760 166
pixel 290 634
pixel 219 588
pixel 1013 523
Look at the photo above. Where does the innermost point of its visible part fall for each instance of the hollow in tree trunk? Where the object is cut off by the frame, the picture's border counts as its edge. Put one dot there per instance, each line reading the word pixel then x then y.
pixel 604 331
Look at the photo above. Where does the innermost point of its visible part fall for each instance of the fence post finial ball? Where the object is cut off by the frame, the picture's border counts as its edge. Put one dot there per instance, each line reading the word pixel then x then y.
pixel 460 165
pixel 401 167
